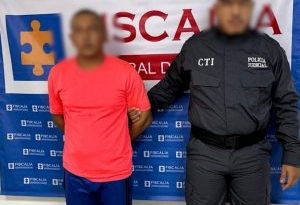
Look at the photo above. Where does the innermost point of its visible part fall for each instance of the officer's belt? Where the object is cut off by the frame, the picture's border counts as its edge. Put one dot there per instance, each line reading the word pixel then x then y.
pixel 228 141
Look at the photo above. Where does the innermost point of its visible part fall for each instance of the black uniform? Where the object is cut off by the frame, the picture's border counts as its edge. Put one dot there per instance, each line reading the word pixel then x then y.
pixel 234 81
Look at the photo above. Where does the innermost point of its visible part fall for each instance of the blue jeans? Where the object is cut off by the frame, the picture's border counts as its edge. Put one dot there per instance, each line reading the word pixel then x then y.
pixel 80 191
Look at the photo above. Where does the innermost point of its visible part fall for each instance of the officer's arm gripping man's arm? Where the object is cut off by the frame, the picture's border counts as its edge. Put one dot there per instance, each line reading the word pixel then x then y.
pixel 285 101
pixel 175 82
pixel 137 98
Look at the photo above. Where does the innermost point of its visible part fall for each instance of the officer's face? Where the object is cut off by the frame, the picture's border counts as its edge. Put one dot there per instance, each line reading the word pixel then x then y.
pixel 234 15
pixel 88 34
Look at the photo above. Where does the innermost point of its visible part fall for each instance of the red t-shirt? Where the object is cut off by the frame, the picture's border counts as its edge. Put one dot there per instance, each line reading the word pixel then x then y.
pixel 94 104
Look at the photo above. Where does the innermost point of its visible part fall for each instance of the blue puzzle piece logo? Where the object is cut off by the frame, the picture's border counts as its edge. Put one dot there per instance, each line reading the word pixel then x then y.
pixel 35 44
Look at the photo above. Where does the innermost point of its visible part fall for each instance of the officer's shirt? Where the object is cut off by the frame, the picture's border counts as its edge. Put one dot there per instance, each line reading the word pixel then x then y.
pixel 234 81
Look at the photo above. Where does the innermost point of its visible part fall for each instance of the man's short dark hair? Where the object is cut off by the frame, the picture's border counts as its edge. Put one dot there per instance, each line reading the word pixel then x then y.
pixel 86 12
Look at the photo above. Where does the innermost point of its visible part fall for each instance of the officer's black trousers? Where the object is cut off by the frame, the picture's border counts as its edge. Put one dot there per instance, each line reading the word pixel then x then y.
pixel 216 175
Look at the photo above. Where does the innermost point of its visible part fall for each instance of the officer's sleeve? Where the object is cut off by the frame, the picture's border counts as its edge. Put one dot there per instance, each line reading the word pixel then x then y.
pixel 285 106
pixel 175 82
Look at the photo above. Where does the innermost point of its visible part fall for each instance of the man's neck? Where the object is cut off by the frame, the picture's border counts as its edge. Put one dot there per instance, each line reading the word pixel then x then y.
pixel 225 33
pixel 90 62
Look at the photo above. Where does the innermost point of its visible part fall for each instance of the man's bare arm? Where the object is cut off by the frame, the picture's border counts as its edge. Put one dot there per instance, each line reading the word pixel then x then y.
pixel 59 122
pixel 138 127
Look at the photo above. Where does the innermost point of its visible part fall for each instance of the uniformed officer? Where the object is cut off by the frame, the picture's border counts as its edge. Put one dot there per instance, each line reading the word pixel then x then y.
pixel 235 76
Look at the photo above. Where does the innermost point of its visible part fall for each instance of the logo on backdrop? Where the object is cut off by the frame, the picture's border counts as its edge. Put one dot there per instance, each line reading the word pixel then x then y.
pixel 35 45
pixel 18 136
pixel 16 108
pixel 180 185
pixel 35 181
pixel 157 184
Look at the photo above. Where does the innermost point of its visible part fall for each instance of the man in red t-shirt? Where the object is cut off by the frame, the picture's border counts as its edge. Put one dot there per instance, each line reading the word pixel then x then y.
pixel 89 97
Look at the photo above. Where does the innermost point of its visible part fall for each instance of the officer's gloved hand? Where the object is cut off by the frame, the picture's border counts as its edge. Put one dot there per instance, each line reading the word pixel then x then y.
pixel 289 176
pixel 134 115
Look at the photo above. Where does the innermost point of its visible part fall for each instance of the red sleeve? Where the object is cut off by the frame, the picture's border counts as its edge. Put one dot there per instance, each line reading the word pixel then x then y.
pixel 55 102
pixel 136 92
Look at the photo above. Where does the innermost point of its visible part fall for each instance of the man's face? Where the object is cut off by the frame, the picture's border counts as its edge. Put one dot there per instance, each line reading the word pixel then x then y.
pixel 88 34
pixel 234 15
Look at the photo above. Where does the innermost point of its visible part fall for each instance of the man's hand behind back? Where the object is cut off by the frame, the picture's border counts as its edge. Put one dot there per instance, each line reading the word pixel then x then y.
pixel 134 115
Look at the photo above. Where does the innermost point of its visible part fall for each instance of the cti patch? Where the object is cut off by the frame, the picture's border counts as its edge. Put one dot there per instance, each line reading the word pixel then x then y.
pixel 35 45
